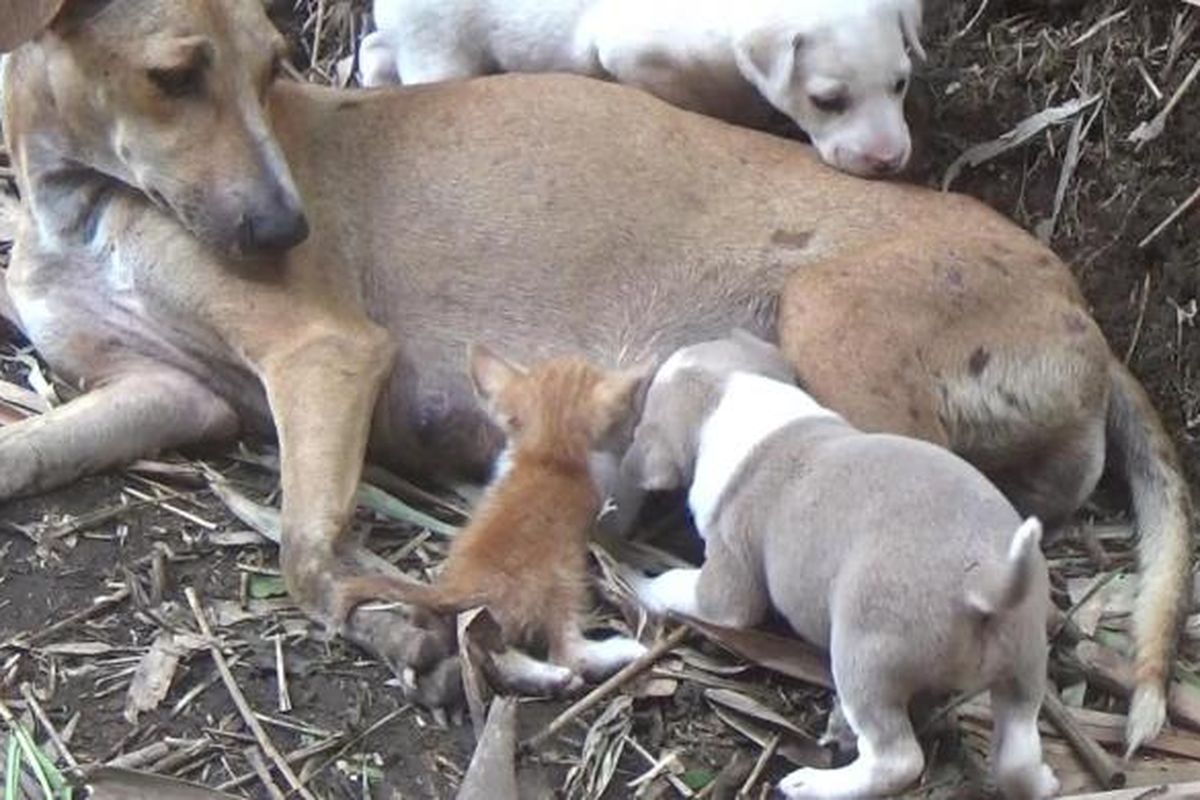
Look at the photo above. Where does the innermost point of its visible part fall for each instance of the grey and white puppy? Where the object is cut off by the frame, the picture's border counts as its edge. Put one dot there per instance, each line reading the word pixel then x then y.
pixel 896 555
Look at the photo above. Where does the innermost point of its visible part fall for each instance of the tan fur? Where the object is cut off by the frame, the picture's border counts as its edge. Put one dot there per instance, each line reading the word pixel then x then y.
pixel 546 214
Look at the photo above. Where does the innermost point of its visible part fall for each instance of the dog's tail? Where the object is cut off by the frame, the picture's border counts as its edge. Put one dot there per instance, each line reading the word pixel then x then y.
pixel 1016 575
pixel 1147 459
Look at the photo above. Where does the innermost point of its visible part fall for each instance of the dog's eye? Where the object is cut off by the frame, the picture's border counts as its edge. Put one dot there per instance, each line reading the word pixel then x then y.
pixel 831 103
pixel 900 85
pixel 178 81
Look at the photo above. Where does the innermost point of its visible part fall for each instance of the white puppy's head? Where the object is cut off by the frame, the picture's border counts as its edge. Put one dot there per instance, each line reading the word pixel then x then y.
pixel 840 70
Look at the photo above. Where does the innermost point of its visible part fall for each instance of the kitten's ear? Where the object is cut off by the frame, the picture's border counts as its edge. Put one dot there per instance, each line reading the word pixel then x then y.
pixel 25 19
pixel 490 373
pixel 620 395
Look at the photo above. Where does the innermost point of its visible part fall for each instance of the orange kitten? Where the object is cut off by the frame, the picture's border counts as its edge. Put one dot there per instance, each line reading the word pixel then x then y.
pixel 524 554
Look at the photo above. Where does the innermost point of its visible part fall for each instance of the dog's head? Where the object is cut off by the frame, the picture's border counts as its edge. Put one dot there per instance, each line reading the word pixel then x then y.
pixel 842 78
pixel 683 393
pixel 169 97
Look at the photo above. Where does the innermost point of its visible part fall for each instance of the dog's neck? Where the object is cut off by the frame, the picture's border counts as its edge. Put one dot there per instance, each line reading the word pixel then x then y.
pixel 63 182
pixel 751 409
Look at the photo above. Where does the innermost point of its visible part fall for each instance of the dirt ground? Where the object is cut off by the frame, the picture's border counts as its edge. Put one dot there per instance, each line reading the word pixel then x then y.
pixel 990 67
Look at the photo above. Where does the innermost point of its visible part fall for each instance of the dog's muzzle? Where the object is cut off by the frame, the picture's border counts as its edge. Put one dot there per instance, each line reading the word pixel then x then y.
pixel 272 231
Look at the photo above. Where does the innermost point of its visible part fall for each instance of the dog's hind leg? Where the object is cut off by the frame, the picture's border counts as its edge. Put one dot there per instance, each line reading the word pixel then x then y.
pixel 1015 744
pixel 136 415
pixel 889 756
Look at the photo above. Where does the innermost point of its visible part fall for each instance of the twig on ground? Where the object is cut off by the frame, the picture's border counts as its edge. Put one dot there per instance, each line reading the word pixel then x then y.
pixel 264 775
pixel 98 606
pixel 239 699
pixel 1149 131
pixel 285 699
pixel 761 764
pixel 39 712
pixel 1093 756
pixel 1141 318
pixel 624 676
pixel 1174 215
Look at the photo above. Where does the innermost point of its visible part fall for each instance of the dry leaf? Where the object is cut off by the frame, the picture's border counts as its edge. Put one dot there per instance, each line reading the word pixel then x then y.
pixel 786 655
pixel 112 783
pixel 152 679
pixel 492 774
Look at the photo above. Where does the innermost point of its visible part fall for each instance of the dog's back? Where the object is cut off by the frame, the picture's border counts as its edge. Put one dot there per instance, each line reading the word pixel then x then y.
pixel 890 538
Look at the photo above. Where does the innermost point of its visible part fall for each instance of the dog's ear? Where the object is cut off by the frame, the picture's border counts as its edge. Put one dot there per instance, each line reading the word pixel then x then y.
pixel 25 19
pixel 910 24
pixel 490 373
pixel 649 464
pixel 767 56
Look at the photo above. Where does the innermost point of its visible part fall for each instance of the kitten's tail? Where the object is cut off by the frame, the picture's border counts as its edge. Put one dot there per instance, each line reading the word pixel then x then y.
pixel 435 598
pixel 1016 575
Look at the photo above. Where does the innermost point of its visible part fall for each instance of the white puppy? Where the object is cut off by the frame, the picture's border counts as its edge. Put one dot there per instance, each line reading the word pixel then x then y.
pixel 894 554
pixel 838 68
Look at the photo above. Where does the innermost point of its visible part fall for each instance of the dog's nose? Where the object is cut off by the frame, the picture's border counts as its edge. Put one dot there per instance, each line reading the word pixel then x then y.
pixel 883 164
pixel 275 230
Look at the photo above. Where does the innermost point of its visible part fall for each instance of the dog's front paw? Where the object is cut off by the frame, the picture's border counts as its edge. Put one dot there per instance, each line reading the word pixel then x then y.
pixel 803 783
pixel 674 590
pixel 1048 785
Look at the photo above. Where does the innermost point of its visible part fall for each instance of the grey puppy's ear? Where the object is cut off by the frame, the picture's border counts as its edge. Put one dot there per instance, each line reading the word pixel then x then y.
pixel 649 465
pixel 25 19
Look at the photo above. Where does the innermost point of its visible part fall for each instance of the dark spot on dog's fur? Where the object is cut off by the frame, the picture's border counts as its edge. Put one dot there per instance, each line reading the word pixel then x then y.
pixel 1047 261
pixel 997 265
pixel 796 240
pixel 1009 399
pixel 978 361
pixel 914 413
pixel 1075 322
pixel 347 105
pixel 955 278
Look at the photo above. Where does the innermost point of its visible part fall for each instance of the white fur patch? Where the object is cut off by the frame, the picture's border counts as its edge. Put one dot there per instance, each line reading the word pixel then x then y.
pixel 674 590
pixel 603 658
pixel 751 408
pixel 1031 529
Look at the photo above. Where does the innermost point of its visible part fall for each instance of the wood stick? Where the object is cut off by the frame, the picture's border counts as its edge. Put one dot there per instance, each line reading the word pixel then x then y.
pixel 36 707
pixel 624 676
pixel 1094 757
pixel 239 699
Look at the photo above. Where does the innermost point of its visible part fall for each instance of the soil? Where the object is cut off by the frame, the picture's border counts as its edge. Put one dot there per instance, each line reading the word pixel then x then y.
pixel 1013 61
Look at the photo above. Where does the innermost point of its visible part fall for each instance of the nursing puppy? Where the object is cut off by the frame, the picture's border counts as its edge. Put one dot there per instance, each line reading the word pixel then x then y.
pixel 838 68
pixel 896 555
pixel 524 555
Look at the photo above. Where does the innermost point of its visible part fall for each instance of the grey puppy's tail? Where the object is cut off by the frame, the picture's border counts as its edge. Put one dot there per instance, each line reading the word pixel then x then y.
pixel 1015 576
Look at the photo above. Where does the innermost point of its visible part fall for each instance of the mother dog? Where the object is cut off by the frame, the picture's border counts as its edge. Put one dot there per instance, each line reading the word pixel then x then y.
pixel 165 263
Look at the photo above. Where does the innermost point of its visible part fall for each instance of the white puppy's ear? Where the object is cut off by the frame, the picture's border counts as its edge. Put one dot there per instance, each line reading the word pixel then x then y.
pixel 910 24
pixel 767 56
pixel 25 19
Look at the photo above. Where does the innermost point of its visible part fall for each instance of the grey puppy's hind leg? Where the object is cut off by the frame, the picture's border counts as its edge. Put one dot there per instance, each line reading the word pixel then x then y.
pixel 889 757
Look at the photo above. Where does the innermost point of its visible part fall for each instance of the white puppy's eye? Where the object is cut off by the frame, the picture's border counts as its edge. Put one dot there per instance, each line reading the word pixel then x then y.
pixel 900 85
pixel 830 103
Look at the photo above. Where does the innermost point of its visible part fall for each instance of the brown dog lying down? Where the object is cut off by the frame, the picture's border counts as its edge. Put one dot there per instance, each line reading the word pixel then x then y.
pixel 524 555
pixel 895 555
pixel 164 169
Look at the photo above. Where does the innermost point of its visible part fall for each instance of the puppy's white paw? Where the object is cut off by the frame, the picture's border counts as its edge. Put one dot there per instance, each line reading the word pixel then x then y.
pixel 674 590
pixel 1048 785
pixel 810 784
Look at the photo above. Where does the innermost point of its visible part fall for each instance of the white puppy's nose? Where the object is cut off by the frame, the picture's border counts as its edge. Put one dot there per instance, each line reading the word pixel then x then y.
pixel 882 163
